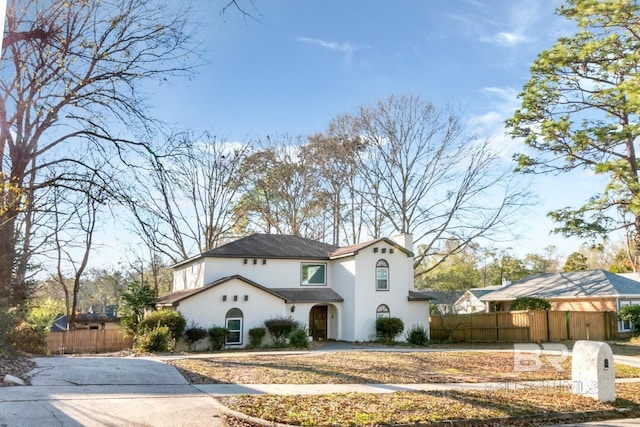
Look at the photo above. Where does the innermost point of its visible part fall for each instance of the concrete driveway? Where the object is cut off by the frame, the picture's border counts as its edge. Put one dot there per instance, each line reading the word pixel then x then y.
pixel 106 391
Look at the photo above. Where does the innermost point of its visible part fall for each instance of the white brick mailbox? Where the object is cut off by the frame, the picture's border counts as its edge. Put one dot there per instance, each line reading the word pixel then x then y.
pixel 592 370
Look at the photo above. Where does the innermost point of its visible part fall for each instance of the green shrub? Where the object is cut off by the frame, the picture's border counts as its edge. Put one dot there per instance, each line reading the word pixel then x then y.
pixel 418 335
pixel 530 303
pixel 388 328
pixel 194 334
pixel 255 336
pixel 217 337
pixel 631 313
pixel 298 338
pixel 8 323
pixel 30 339
pixel 169 318
pixel 279 328
pixel 159 338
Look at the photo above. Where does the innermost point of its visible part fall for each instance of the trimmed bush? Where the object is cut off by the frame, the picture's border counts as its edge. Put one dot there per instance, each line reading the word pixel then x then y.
pixel 298 338
pixel 169 318
pixel 217 337
pixel 417 335
pixel 279 328
pixel 193 334
pixel 255 336
pixel 159 338
pixel 388 328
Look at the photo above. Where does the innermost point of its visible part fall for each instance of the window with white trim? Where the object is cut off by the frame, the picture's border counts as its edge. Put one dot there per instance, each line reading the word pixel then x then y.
pixel 313 274
pixel 382 275
pixel 233 323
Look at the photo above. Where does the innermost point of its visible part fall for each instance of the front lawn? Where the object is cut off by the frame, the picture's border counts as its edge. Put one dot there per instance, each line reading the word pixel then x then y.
pixel 403 407
pixel 372 367
pixel 533 406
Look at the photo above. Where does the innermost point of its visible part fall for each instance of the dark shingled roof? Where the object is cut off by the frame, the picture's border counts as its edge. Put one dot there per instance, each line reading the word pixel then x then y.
pixel 292 295
pixel 273 246
pixel 442 297
pixel 572 284
pixel 419 296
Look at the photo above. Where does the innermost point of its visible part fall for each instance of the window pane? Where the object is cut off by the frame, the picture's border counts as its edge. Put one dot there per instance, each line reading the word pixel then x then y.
pixel 233 324
pixel 382 275
pixel 313 274
pixel 233 337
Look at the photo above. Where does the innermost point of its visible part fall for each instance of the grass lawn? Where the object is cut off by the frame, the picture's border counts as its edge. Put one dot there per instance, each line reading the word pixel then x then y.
pixel 400 368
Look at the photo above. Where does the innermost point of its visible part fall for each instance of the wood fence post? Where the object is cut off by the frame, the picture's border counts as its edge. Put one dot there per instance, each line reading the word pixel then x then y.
pixel 548 327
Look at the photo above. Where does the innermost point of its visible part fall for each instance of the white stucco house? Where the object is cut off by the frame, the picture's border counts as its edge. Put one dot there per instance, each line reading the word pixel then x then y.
pixel 338 292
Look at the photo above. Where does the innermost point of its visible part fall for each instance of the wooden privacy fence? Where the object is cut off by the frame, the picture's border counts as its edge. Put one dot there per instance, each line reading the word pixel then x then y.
pixel 88 341
pixel 524 326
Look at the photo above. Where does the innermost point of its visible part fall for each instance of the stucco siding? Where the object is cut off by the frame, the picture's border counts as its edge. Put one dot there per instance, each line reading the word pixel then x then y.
pixel 271 273
pixel 208 308
pixel 343 282
pixel 189 276
pixel 368 298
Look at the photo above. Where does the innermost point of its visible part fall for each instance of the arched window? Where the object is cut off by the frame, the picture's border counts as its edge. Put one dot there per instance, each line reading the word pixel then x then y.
pixel 233 321
pixel 382 275
pixel 382 311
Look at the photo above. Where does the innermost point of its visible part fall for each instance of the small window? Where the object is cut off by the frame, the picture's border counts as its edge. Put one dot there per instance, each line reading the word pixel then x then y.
pixel 626 325
pixel 233 321
pixel 382 311
pixel 382 275
pixel 313 274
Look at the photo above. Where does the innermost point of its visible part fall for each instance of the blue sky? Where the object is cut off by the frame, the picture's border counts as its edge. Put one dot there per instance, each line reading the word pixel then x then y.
pixel 305 62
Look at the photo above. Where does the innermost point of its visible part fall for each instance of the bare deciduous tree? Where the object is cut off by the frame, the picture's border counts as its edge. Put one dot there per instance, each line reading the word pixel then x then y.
pixel 69 79
pixel 427 177
pixel 183 203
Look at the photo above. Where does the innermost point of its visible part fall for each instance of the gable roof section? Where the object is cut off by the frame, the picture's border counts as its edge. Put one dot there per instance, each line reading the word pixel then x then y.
pixel 573 284
pixel 354 249
pixel 282 246
pixel 273 246
pixel 173 299
pixel 478 292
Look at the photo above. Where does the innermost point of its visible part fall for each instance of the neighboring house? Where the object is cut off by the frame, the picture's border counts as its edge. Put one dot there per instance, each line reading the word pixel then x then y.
pixel 87 321
pixel 337 292
pixel 443 301
pixel 590 290
pixel 469 301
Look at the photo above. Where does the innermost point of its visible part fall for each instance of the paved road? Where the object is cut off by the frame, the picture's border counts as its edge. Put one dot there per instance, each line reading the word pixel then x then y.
pixel 125 391
pixel 106 391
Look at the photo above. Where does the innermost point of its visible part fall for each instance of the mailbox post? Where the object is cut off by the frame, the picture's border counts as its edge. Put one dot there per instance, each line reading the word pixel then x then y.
pixel 593 371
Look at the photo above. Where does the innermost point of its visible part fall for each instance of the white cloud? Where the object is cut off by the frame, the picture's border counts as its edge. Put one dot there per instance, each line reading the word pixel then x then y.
pixel 340 47
pixel 507 39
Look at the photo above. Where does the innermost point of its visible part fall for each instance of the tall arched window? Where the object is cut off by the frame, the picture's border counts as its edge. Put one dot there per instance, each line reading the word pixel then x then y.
pixel 233 321
pixel 382 311
pixel 382 275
